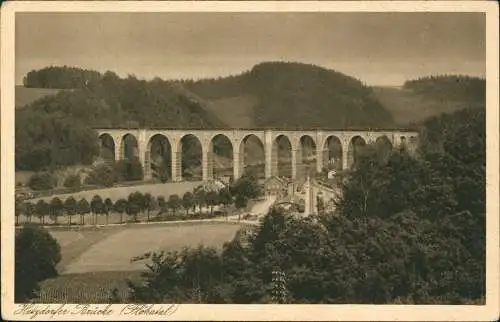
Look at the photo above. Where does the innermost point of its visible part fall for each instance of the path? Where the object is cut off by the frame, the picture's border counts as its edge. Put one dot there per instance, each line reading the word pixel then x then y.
pixel 261 208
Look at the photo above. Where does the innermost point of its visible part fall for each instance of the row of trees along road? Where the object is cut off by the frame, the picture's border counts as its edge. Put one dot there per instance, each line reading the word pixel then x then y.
pixel 238 193
pixel 406 230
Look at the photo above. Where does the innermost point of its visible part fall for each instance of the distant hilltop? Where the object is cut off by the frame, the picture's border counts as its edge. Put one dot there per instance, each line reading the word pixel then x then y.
pixel 271 95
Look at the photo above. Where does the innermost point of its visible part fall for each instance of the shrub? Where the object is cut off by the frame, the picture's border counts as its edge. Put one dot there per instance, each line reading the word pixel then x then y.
pixel 42 181
pixel 72 181
pixel 36 256
pixel 103 175
pixel 129 170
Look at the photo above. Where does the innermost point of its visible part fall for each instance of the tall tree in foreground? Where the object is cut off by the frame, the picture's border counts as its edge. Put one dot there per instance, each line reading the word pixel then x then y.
pixel 36 256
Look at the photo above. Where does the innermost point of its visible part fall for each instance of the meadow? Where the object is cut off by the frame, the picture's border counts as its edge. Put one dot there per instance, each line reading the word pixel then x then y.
pixel 95 260
pixel 115 193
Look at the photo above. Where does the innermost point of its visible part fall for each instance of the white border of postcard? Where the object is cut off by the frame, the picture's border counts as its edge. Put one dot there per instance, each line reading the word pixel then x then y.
pixel 490 311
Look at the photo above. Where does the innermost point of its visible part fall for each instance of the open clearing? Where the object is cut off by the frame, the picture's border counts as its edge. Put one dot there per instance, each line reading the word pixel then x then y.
pixel 111 248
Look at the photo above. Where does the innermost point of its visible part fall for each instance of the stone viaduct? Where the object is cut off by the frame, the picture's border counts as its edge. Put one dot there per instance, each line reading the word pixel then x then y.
pixel 268 138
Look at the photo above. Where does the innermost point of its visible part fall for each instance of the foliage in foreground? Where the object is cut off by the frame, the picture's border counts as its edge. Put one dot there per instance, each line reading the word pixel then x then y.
pixel 36 256
pixel 405 232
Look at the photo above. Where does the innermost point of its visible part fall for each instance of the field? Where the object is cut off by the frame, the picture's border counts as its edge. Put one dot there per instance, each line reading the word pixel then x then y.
pixel 26 96
pixel 160 189
pixel 406 106
pixel 119 245
pixel 97 259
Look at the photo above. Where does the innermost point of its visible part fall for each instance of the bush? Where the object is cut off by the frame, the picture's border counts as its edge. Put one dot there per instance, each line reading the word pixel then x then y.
pixel 72 181
pixel 42 181
pixel 102 175
pixel 36 256
pixel 129 170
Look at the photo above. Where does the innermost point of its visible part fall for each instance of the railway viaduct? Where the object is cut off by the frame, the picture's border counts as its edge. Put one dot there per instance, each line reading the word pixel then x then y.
pixel 347 139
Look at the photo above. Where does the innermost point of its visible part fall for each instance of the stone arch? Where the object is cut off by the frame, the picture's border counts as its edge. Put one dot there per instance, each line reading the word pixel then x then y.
pixel 220 156
pixel 356 144
pixel 332 152
pixel 252 155
pixel 158 157
pixel 107 147
pixel 190 148
pixel 282 156
pixel 306 156
pixel 384 148
pixel 129 147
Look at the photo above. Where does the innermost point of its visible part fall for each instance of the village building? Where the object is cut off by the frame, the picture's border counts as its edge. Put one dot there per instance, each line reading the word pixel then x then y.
pixel 275 186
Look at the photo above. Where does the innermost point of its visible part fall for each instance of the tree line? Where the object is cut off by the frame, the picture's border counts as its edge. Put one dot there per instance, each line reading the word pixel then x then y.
pixel 238 193
pixel 450 87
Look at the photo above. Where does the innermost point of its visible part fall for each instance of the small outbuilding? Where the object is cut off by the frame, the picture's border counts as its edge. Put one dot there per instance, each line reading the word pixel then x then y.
pixel 275 186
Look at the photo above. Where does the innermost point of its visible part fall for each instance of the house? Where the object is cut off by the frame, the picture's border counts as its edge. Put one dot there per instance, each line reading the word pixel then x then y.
pixel 275 186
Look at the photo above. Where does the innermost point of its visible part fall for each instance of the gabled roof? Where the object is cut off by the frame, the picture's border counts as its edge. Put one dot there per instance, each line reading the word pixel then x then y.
pixel 276 178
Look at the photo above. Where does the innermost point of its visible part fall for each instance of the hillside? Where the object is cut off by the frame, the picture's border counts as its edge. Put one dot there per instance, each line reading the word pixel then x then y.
pixel 56 130
pixel 26 96
pixel 292 95
pixel 426 97
pixel 270 95
pixel 407 106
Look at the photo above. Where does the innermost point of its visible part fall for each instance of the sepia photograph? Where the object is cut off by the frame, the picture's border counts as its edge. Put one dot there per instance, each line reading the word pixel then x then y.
pixel 164 158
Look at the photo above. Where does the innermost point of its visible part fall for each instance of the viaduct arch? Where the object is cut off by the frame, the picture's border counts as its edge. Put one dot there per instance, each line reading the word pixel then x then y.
pixel 345 143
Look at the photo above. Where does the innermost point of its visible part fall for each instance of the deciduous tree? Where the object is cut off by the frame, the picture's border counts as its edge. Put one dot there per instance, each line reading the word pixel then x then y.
pixel 36 256
pixel 174 202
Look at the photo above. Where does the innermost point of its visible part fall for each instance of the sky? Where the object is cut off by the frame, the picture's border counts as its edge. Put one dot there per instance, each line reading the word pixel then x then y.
pixel 377 48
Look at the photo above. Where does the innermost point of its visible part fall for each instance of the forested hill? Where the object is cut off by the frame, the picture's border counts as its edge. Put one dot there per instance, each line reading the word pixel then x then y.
pixel 425 97
pixel 56 130
pixel 293 95
pixel 108 100
pixel 449 87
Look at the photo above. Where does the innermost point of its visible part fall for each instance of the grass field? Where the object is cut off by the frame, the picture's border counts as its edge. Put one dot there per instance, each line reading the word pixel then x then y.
pixel 97 259
pixel 26 96
pixel 110 248
pixel 160 189
pixel 406 106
